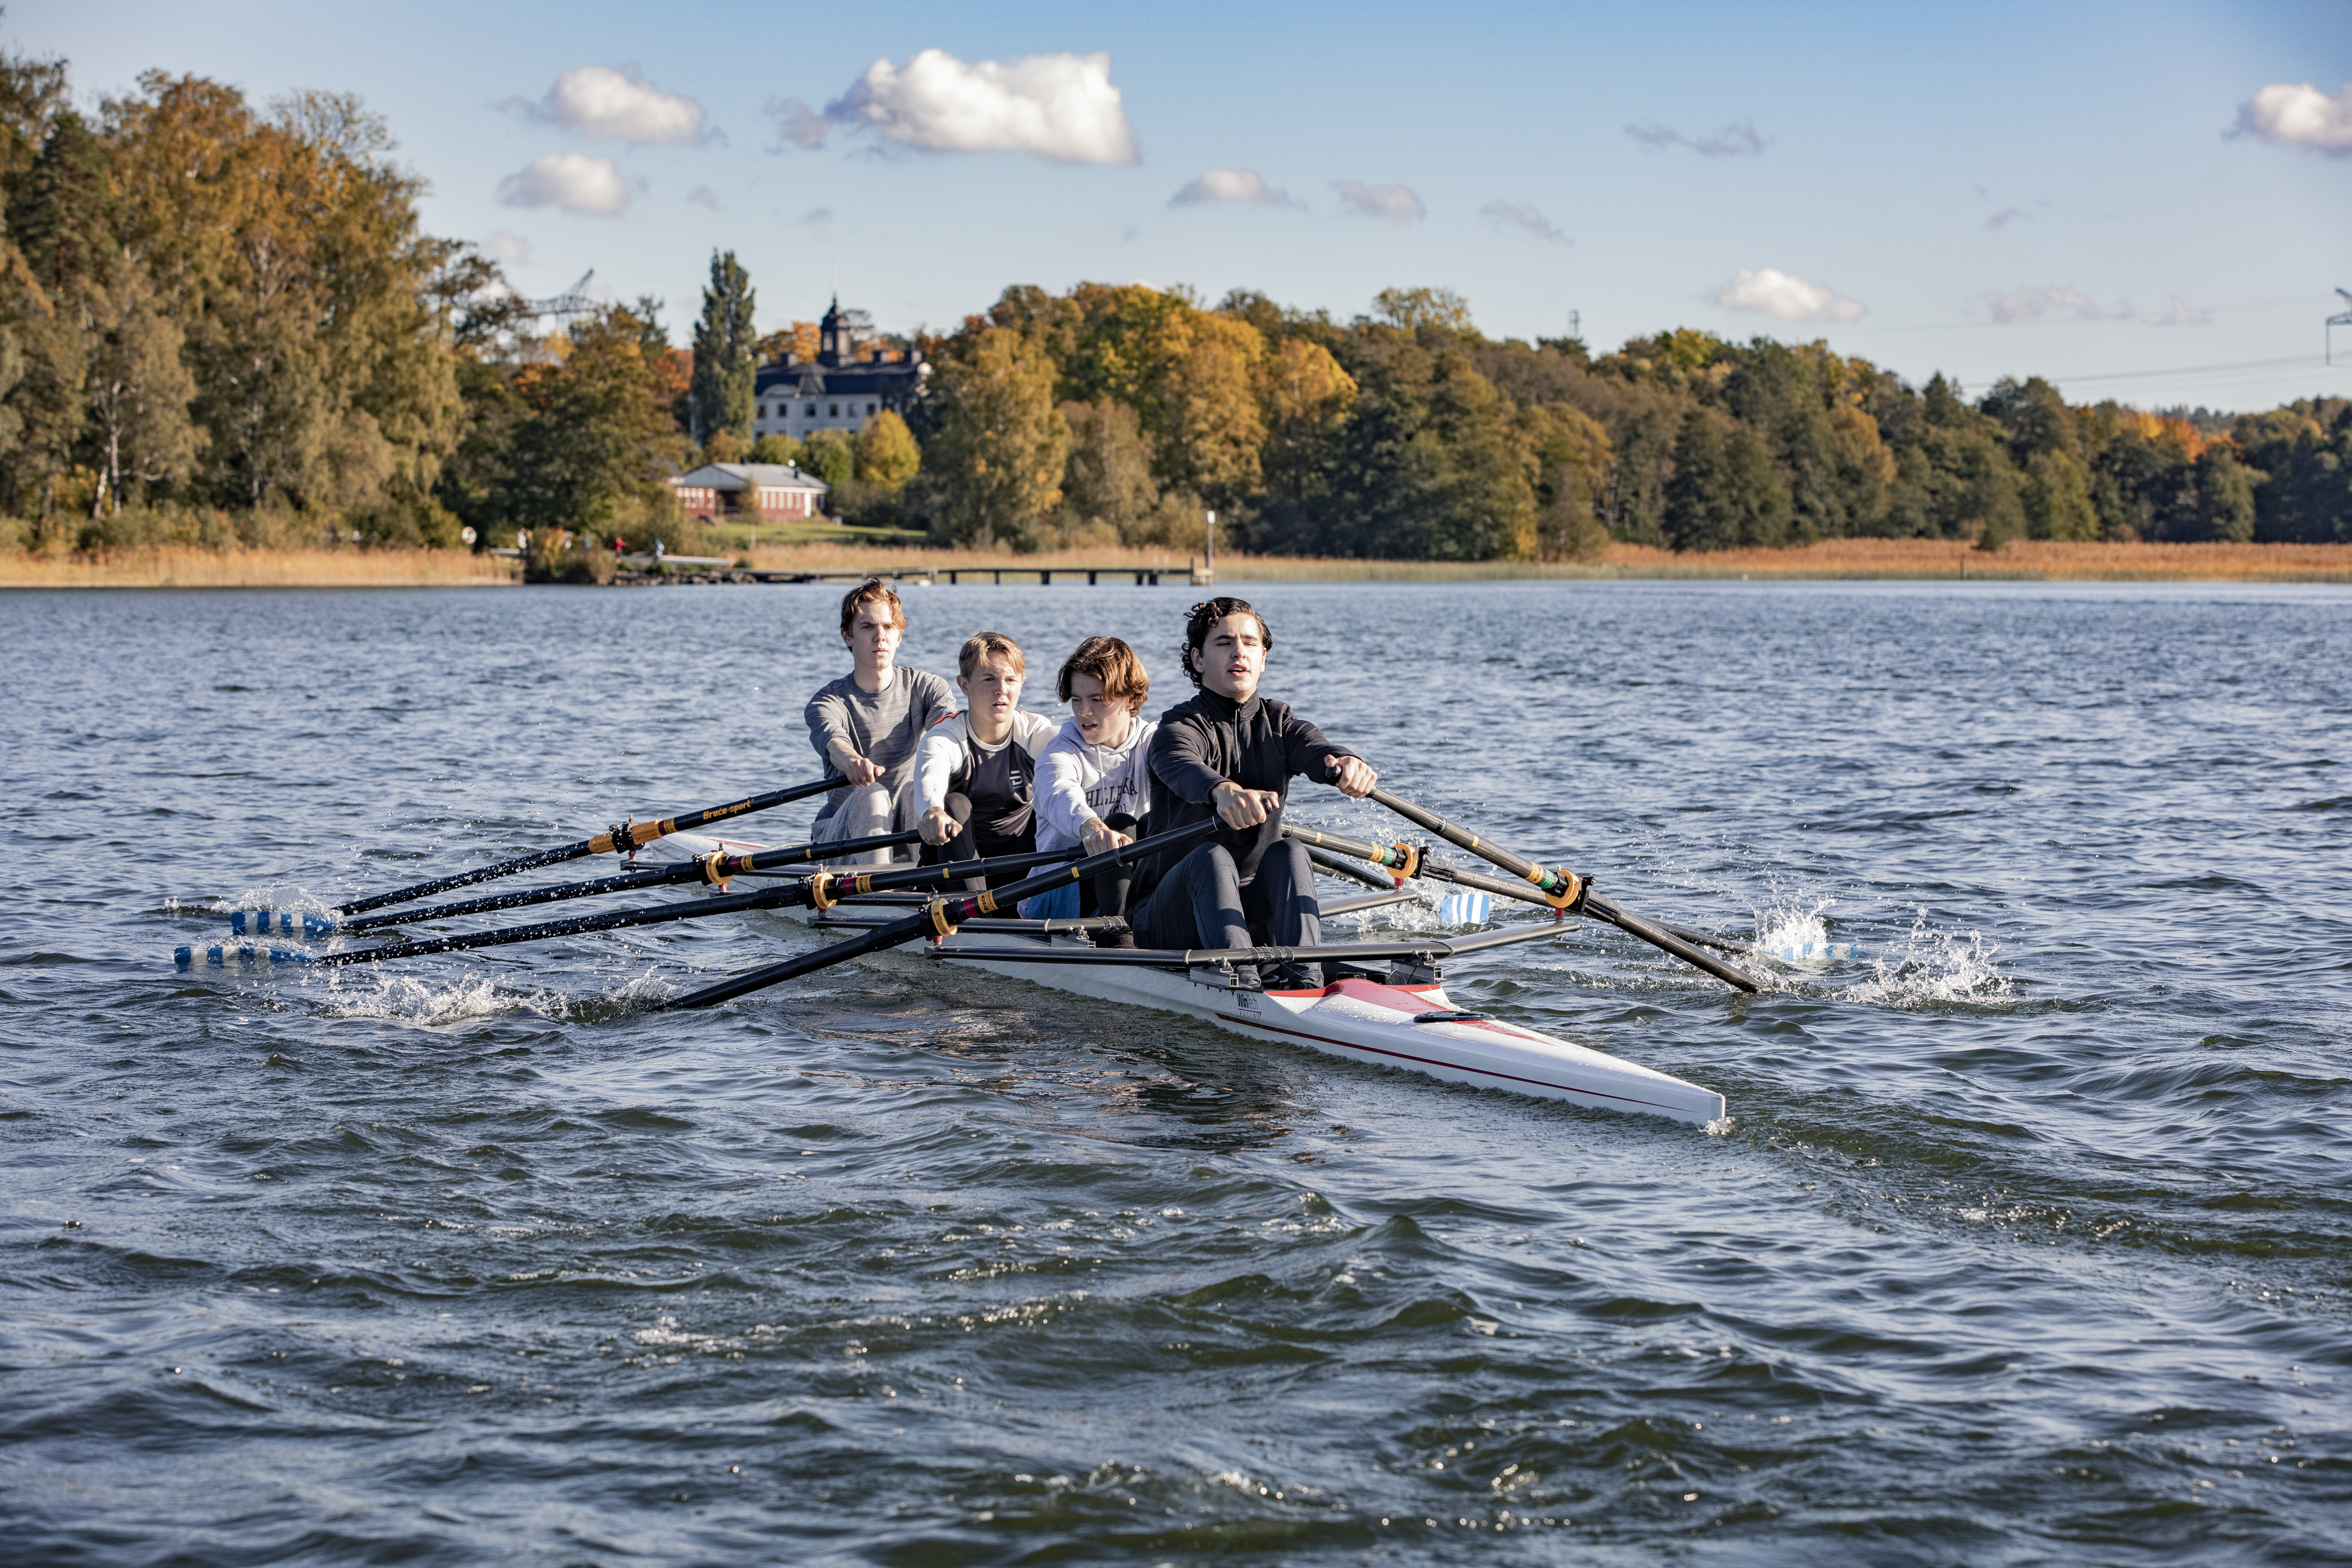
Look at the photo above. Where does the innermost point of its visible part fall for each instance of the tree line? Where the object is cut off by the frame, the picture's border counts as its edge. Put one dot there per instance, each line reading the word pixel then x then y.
pixel 1407 433
pixel 221 321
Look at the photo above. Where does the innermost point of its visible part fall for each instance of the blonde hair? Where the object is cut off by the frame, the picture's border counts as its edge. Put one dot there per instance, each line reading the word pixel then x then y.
pixel 1113 663
pixel 989 645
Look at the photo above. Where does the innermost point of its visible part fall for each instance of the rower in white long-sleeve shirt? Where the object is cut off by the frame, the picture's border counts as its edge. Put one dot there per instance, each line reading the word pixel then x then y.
pixel 975 777
pixel 1094 783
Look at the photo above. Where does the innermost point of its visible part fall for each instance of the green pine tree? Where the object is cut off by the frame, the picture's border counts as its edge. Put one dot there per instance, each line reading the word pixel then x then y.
pixel 726 354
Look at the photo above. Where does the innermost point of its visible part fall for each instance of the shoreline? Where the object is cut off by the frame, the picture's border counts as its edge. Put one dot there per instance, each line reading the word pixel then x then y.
pixel 181 566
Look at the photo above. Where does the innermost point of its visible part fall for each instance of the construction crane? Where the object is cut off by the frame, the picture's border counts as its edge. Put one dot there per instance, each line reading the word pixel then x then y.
pixel 2344 319
pixel 566 307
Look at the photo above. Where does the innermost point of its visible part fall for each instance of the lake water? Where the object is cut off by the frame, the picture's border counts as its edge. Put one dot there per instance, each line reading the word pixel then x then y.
pixel 2029 1240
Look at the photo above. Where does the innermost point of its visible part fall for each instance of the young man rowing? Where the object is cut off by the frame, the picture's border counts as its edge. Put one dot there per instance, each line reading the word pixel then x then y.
pixel 868 725
pixel 1232 753
pixel 1094 781
pixel 975 778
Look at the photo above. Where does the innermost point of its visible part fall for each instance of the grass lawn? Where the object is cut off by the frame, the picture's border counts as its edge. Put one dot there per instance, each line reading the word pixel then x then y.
pixel 739 538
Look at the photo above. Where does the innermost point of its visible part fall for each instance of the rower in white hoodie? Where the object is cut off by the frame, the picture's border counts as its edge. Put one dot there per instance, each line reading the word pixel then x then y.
pixel 1093 778
pixel 975 775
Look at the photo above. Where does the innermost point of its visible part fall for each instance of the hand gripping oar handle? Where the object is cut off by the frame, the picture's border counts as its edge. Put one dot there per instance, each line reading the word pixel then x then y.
pixel 716 868
pixel 940 917
pixel 620 839
pixel 1558 888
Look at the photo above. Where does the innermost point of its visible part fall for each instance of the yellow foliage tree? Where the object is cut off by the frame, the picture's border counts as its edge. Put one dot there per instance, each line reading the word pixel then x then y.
pixel 996 463
pixel 886 453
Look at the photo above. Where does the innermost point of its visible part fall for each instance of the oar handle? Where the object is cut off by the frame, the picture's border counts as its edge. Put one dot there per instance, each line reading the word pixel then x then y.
pixel 941 916
pixel 1558 888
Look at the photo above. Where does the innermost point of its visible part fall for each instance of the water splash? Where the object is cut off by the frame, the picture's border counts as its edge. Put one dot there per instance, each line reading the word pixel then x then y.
pixel 1935 966
pixel 1799 934
pixel 407 999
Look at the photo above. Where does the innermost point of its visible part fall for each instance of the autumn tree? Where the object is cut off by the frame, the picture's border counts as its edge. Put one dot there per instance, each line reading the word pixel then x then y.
pixel 138 394
pixel 831 455
pixel 1107 478
pixel 287 250
pixel 995 467
pixel 886 455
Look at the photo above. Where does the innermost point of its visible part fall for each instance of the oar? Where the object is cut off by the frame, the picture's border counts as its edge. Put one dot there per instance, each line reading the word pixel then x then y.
pixel 1566 890
pixel 822 890
pixel 619 839
pixel 939 916
pixel 716 868
pixel 1408 860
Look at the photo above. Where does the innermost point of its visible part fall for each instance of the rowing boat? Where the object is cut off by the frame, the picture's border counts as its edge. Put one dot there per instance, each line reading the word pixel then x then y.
pixel 1399 1017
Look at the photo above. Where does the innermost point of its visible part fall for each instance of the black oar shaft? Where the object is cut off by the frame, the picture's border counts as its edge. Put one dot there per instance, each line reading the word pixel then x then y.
pixel 618 838
pixel 1408 862
pixel 1339 866
pixel 815 890
pixel 941 915
pixel 1559 887
pixel 617 920
pixel 1603 908
pixel 704 870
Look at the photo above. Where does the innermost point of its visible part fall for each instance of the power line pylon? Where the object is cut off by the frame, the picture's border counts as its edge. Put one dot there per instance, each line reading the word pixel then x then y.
pixel 568 306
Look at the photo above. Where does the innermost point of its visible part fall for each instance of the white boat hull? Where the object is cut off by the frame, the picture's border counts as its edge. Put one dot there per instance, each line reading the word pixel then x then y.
pixel 1362 1020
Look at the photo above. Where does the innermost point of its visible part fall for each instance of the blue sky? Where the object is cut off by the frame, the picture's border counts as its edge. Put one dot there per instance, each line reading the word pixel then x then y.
pixel 1980 189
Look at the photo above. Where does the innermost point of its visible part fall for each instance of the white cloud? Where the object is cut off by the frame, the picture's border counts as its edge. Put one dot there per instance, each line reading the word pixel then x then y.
pixel 1740 140
pixel 1246 185
pixel 1768 291
pixel 1395 202
pixel 704 197
pixel 1527 220
pixel 2298 114
pixel 2060 301
pixel 509 248
pixel 1061 108
pixel 619 105
pixel 573 181
pixel 2181 313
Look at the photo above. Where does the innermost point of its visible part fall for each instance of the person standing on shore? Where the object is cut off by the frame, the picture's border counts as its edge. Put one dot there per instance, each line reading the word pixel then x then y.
pixel 1230 753
pixel 869 724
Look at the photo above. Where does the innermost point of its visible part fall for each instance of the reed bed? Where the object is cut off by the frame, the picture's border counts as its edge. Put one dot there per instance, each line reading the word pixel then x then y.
pixel 195 566
pixel 2028 560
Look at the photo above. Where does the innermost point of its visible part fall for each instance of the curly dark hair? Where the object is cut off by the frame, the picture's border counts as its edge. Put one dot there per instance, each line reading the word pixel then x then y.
pixel 1203 615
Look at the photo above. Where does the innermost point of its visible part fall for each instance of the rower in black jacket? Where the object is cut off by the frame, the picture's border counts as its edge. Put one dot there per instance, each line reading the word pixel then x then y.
pixel 1232 753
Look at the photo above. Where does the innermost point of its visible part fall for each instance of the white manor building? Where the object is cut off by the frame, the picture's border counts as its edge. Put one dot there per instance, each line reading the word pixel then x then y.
pixel 841 389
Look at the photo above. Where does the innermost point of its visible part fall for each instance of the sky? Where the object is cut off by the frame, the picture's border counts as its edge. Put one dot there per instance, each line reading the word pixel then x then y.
pixel 2150 202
